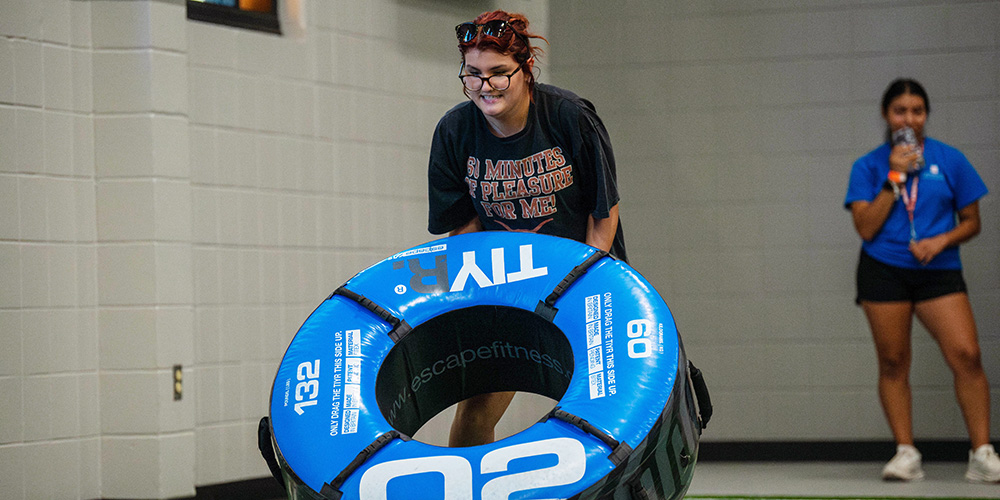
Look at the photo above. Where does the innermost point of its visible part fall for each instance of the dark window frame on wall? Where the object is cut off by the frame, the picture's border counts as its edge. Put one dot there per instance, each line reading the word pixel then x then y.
pixel 235 15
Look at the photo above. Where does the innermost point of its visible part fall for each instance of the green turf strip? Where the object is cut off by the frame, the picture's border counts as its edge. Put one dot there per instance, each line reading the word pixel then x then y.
pixel 755 497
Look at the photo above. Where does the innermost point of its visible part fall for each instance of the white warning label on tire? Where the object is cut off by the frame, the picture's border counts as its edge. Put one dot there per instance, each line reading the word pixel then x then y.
pixel 593 334
pixel 352 373
pixel 350 422
pixel 352 396
pixel 597 385
pixel 595 362
pixel 592 306
pixel 353 342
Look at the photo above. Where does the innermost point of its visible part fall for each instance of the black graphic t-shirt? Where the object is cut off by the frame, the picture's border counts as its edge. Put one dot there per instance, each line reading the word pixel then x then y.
pixel 545 179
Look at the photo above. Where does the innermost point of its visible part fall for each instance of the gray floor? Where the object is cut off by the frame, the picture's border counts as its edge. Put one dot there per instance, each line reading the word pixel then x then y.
pixel 833 479
pixel 804 479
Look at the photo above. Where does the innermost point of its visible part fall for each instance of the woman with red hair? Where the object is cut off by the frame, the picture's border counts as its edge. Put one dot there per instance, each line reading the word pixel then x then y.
pixel 517 156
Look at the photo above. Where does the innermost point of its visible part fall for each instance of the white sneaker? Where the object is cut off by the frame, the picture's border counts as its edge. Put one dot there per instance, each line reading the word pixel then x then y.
pixel 984 465
pixel 904 466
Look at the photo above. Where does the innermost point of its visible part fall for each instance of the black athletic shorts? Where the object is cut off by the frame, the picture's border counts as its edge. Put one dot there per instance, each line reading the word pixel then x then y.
pixel 879 282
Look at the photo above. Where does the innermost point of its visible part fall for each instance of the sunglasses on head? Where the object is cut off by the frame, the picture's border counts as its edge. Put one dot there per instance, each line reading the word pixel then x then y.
pixel 468 32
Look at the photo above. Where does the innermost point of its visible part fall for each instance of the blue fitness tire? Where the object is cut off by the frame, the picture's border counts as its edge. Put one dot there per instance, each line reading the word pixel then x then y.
pixel 476 313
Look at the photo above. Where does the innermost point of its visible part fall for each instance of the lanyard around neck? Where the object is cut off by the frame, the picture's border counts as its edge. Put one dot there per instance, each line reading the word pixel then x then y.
pixel 910 202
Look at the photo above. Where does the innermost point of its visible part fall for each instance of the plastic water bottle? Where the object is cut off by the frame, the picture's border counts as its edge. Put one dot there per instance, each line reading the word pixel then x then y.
pixel 906 135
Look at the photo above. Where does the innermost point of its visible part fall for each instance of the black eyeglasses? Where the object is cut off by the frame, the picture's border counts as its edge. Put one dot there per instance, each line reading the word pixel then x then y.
pixel 468 32
pixel 497 82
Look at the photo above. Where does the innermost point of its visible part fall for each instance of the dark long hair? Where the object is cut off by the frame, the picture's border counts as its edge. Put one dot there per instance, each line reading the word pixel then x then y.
pixel 898 87
pixel 902 86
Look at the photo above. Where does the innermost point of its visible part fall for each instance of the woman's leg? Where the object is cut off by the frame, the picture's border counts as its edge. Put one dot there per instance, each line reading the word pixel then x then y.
pixel 476 417
pixel 890 324
pixel 949 320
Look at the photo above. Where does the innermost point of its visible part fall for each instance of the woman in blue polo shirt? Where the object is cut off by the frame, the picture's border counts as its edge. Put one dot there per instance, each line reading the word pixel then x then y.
pixel 912 206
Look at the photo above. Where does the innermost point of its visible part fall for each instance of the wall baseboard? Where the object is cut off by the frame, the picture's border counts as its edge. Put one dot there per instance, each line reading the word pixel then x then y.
pixel 823 451
pixel 264 488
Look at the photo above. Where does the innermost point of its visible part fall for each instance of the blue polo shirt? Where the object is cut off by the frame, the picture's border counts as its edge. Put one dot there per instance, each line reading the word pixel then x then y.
pixel 948 183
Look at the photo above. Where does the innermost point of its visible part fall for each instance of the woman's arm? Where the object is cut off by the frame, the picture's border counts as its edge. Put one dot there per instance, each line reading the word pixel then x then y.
pixel 968 226
pixel 870 215
pixel 469 227
pixel 601 232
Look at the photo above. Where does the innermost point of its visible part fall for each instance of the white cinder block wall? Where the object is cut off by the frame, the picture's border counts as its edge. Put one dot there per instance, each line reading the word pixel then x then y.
pixel 175 192
pixel 735 125
pixel 50 425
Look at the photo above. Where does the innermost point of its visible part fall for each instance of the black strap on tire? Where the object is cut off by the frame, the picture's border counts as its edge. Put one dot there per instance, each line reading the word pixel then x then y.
pixel 619 449
pixel 701 393
pixel 636 490
pixel 399 327
pixel 267 449
pixel 331 490
pixel 546 308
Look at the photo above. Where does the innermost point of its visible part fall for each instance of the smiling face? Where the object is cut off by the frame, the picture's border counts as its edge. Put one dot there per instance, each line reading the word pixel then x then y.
pixel 907 110
pixel 505 110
